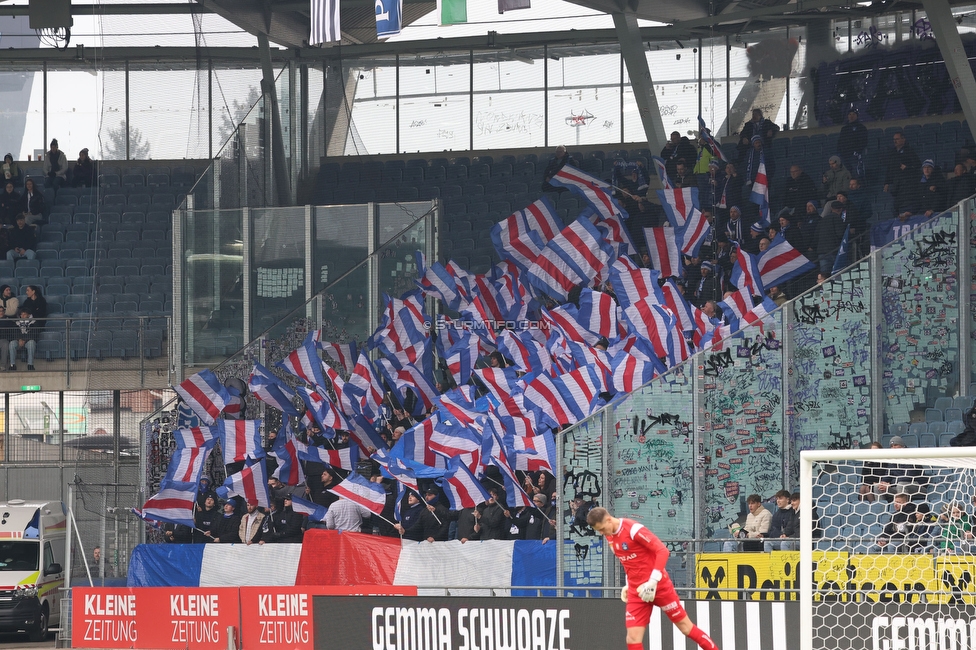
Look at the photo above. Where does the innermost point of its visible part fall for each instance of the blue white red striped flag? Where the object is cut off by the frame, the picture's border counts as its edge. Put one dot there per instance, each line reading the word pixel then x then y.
pixel 693 234
pixel 240 439
pixel 304 363
pixel 523 235
pixel 204 394
pixel 598 313
pixel 345 354
pixel 401 376
pixel 574 257
pixel 781 262
pixel 191 437
pixel 745 273
pixel 679 204
pixel 595 191
pixel 461 487
pixel 361 492
pixel 528 354
pixel 462 356
pixel 675 301
pixel 345 458
pixel 436 281
pixel 251 483
pixel 516 496
pixel 323 410
pixel 662 171
pixel 265 386
pixel 313 511
pixel 364 388
pixel 565 318
pixel 736 305
pixel 632 284
pixel 662 246
pixel 186 464
pixel 630 372
pixel 706 136
pixel 760 190
pixel 533 453
pixel 613 229
pixel 173 504
pixel 286 448
pixel 500 382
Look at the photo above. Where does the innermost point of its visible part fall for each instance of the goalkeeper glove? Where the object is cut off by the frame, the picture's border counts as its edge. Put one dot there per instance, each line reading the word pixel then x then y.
pixel 623 593
pixel 648 590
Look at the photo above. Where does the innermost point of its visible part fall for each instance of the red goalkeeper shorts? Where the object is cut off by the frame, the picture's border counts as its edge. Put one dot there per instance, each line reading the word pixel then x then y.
pixel 639 612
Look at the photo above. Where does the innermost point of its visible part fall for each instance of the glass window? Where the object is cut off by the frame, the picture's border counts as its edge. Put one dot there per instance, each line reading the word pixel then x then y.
pixel 509 105
pixel 584 98
pixel 19 556
pixel 72 115
pixel 372 129
pixel 435 106
pixel 168 114
pixel 234 93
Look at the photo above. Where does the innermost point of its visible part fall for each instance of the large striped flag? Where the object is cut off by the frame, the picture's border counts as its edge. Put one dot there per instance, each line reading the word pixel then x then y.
pixel 240 439
pixel 736 305
pixel 462 356
pixel 679 204
pixel 675 301
pixel 523 235
pixel 630 372
pixel 313 511
pixel 533 453
pixel 745 273
pixel 186 464
pixel 760 190
pixel 343 353
pixel 500 382
pixel 574 257
pixel 595 191
pixel 781 262
pixel 598 313
pixel 414 444
pixel 173 504
pixel 706 136
pixel 345 458
pixel 662 245
pixel 400 376
pixel 265 386
pixel 566 319
pixel 528 354
pixel 251 483
pixel 461 487
pixel 191 437
pixel 286 448
pixel 364 389
pixel 613 229
pixel 361 492
pixel 436 281
pixel 499 457
pixel 632 284
pixel 655 324
pixel 324 22
pixel 305 364
pixel 323 410
pixel 204 394
pixel 692 235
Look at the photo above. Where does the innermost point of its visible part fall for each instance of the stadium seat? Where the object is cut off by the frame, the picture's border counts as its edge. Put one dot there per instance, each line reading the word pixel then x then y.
pixel 933 415
pixel 927 440
pixel 899 429
pixel 910 440
pixel 936 428
pixel 917 428
pixel 953 415
pixel 955 427
pixel 943 403
pixel 963 402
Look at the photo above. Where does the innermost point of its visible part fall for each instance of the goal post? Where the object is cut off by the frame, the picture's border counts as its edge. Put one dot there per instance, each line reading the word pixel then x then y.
pixel 893 566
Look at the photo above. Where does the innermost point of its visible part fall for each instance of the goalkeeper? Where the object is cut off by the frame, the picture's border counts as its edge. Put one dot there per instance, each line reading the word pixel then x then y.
pixel 643 557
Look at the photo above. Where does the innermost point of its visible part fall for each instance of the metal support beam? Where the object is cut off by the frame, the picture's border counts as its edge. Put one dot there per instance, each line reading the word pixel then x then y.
pixel 282 184
pixel 946 32
pixel 632 49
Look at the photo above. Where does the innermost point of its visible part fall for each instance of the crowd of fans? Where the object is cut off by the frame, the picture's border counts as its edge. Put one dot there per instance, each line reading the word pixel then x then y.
pixel 811 215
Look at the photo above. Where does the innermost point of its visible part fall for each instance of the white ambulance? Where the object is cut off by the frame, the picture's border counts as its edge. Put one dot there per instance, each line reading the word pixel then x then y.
pixel 32 543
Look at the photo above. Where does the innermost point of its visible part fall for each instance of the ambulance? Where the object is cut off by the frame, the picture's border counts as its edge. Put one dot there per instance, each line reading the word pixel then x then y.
pixel 32 543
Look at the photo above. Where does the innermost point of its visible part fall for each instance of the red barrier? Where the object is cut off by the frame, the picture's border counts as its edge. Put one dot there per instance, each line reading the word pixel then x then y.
pixel 198 618
pixel 281 617
pixel 153 617
pixel 333 558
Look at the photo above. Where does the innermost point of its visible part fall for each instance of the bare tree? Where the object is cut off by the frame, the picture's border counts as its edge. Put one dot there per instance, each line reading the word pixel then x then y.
pixel 113 147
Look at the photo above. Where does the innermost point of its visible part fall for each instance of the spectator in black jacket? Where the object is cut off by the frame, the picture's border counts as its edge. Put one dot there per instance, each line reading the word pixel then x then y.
pixel 799 189
pixel 24 336
pixel 417 523
pixel 440 511
pixel 678 148
pixel 930 191
pixel 269 528
pixel 960 186
pixel 902 167
pixel 205 521
pixel 467 524
pixel 782 520
pixel 83 173
pixel 228 527
pixel 288 525
pixel 851 143
pixel 760 126
pixel 536 522
pixel 10 204
pixel 32 201
pixel 494 518
pixel 22 240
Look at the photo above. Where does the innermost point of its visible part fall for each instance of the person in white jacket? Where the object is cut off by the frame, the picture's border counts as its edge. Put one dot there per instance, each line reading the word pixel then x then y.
pixel 756 527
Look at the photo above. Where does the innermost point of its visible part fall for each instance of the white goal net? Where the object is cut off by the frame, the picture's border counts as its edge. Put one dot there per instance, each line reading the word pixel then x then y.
pixel 890 549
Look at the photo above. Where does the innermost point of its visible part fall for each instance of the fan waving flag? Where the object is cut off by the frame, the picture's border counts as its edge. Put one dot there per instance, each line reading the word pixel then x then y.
pixel 461 487
pixel 522 236
pixel 251 483
pixel 676 302
pixel 205 395
pixel 240 439
pixel 781 262
pixel 360 491
pixel 706 136
pixel 265 386
pixel 324 22
pixel 662 246
pixel 313 511
pixel 286 448
pixel 174 503
pixel 693 234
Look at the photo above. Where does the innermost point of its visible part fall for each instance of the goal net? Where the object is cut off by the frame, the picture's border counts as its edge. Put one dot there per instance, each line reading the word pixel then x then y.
pixel 890 548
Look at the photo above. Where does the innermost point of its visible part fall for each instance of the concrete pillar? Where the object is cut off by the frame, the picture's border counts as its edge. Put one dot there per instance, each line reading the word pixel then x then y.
pixel 632 49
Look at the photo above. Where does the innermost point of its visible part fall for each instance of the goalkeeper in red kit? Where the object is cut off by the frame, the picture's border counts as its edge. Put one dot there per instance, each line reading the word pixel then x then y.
pixel 643 557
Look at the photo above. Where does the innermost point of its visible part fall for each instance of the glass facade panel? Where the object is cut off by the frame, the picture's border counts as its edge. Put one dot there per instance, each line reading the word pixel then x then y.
pixel 584 98
pixel 169 117
pixel 509 105
pixel 582 488
pixel 435 107
pixel 278 258
pixel 371 124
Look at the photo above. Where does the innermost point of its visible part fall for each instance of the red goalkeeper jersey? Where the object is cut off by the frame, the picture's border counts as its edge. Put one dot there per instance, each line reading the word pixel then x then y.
pixel 639 551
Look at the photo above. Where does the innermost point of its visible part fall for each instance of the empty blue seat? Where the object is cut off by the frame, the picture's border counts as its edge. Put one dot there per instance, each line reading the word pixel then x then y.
pixel 933 415
pixel 963 402
pixel 936 428
pixel 942 403
pixel 953 415
pixel 927 440
pixel 945 440
pixel 910 440
pixel 917 428
pixel 955 427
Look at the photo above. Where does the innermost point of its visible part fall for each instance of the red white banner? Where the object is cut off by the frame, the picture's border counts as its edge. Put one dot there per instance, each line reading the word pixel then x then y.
pixel 191 618
pixel 153 617
pixel 282 617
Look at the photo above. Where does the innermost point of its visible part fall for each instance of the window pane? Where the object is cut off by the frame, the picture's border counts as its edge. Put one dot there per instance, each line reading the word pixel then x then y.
pixel 168 114
pixel 509 105
pixel 584 98
pixel 72 117
pixel 372 129
pixel 435 107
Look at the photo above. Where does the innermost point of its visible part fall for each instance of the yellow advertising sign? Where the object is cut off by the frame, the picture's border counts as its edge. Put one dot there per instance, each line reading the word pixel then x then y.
pixel 837 575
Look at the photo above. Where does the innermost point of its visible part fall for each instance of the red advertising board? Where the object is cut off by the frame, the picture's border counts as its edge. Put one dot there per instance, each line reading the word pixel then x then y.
pixel 153 617
pixel 281 617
